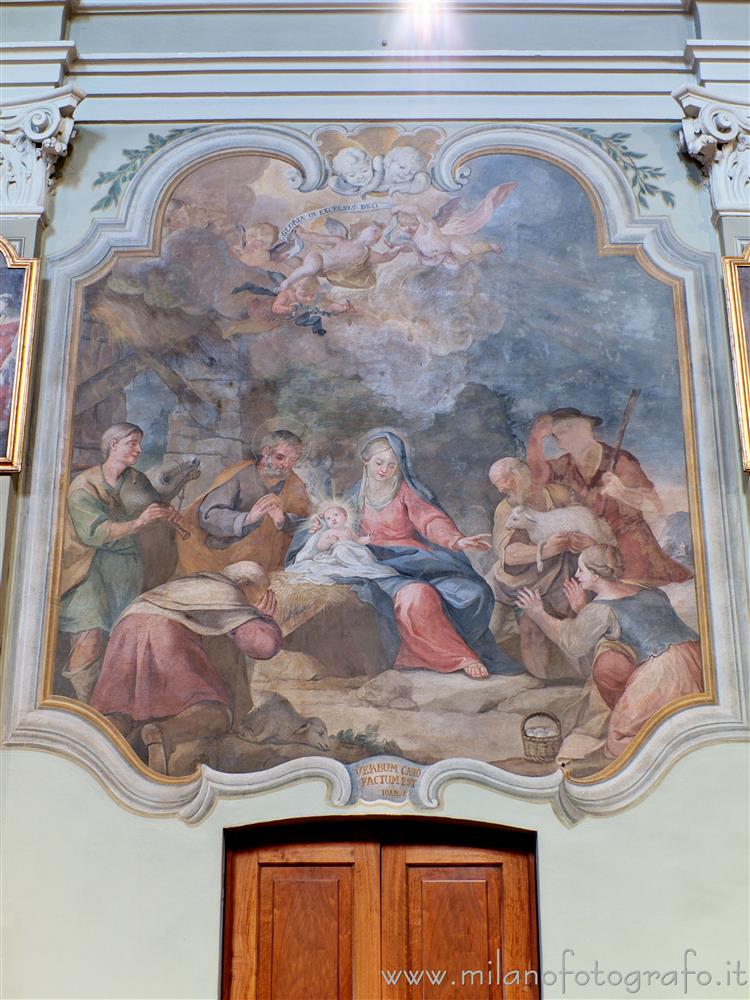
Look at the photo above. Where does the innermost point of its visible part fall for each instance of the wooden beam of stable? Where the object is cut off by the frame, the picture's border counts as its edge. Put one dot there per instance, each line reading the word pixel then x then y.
pixel 111 379
pixel 205 412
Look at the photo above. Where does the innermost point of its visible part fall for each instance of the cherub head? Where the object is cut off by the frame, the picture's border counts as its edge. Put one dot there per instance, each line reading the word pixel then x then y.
pixel 370 234
pixel 408 222
pixel 261 236
pixel 354 166
pixel 254 241
pixel 402 163
pixel 305 291
pixel 176 215
pixel 181 214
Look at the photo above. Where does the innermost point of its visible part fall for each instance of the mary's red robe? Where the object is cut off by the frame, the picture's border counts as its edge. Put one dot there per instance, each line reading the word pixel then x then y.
pixel 428 638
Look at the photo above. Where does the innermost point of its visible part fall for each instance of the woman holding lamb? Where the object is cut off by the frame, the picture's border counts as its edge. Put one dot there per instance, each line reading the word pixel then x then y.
pixel 644 655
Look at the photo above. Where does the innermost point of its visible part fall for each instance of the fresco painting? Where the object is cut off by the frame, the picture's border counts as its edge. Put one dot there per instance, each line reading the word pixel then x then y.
pixel 377 469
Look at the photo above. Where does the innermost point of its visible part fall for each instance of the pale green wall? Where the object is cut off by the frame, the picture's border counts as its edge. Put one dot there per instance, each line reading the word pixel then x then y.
pixel 98 902
pixel 102 903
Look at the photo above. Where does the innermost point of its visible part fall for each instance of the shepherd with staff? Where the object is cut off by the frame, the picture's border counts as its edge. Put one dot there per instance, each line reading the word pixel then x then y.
pixel 610 481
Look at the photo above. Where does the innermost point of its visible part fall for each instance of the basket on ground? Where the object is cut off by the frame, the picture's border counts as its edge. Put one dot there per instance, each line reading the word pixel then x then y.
pixel 542 741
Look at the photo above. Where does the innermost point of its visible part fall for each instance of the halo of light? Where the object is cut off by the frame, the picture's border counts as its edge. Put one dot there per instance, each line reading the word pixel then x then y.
pixel 283 424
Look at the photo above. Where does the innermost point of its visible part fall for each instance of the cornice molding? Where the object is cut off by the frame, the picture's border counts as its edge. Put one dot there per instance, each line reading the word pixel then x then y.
pixel 93 7
pixel 512 84
pixel 408 102
pixel 35 64
pixel 719 62
pixel 35 52
pixel 379 59
pixel 232 86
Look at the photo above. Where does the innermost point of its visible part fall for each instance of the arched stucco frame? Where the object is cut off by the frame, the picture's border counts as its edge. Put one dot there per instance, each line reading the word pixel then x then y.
pixel 62 725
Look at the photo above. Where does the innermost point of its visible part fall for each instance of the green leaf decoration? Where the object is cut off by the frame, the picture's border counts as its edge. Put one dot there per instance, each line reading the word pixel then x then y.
pixel 102 204
pixel 134 159
pixel 639 174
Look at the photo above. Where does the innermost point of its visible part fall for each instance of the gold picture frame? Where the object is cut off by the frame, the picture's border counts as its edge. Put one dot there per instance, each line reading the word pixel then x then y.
pixel 737 284
pixel 19 286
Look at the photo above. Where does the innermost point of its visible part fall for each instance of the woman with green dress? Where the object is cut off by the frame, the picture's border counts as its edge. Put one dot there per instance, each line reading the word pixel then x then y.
pixel 102 569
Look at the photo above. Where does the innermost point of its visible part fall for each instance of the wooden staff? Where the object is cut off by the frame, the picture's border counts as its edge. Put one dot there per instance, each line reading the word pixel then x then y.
pixel 629 407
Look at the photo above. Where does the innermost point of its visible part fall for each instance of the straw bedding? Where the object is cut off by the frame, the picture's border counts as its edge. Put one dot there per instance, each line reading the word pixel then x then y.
pixel 299 601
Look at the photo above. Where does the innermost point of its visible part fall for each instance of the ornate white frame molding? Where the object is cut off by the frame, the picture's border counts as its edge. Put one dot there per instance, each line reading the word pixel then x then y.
pixel 74 732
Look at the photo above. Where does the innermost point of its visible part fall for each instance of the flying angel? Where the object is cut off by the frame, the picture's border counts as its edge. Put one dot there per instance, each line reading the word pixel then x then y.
pixel 443 238
pixel 345 258
pixel 300 301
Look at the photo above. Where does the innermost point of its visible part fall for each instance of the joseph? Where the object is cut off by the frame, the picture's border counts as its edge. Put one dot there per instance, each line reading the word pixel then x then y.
pixel 250 512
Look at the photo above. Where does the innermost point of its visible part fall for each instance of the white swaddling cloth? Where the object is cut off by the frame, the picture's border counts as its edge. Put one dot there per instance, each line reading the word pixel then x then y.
pixel 343 560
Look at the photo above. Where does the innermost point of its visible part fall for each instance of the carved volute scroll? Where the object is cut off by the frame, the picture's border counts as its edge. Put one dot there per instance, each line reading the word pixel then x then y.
pixel 34 135
pixel 716 133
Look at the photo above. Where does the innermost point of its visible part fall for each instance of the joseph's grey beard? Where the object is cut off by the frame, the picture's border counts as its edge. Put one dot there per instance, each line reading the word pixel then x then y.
pixel 274 471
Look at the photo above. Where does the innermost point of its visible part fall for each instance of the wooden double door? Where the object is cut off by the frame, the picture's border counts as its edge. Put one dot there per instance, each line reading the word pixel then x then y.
pixel 380 911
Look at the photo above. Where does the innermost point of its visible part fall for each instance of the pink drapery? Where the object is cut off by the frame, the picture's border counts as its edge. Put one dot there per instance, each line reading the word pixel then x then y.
pixel 428 639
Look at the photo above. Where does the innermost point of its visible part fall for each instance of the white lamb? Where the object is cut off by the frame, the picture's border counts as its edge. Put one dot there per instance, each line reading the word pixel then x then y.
pixel 541 525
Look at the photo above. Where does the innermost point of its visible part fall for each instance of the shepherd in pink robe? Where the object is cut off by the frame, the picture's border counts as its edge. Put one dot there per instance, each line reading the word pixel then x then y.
pixel 155 669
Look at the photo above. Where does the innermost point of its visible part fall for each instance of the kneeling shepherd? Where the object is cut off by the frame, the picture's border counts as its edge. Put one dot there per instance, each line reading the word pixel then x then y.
pixel 155 669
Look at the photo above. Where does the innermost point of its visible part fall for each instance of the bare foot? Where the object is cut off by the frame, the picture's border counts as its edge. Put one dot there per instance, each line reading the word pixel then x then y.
pixel 476 670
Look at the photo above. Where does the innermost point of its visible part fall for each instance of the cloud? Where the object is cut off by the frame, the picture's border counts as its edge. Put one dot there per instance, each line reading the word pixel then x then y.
pixel 549 322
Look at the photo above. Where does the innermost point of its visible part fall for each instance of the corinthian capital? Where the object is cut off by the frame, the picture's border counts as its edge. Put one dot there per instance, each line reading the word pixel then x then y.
pixel 34 135
pixel 716 132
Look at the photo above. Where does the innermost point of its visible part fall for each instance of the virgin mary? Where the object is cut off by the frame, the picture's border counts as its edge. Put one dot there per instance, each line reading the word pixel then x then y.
pixel 435 609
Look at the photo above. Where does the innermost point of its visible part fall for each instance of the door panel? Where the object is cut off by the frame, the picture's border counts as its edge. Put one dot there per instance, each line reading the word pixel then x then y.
pixel 453 924
pixel 300 923
pixel 369 919
pixel 459 920
pixel 305 932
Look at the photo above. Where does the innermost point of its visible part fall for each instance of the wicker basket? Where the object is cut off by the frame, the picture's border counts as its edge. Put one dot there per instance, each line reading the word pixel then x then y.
pixel 541 749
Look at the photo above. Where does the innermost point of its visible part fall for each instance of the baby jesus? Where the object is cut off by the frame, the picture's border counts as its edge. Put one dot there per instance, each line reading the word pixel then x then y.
pixel 337 529
pixel 336 553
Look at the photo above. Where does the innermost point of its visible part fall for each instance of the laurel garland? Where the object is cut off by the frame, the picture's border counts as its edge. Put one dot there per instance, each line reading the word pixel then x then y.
pixel 640 175
pixel 134 160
